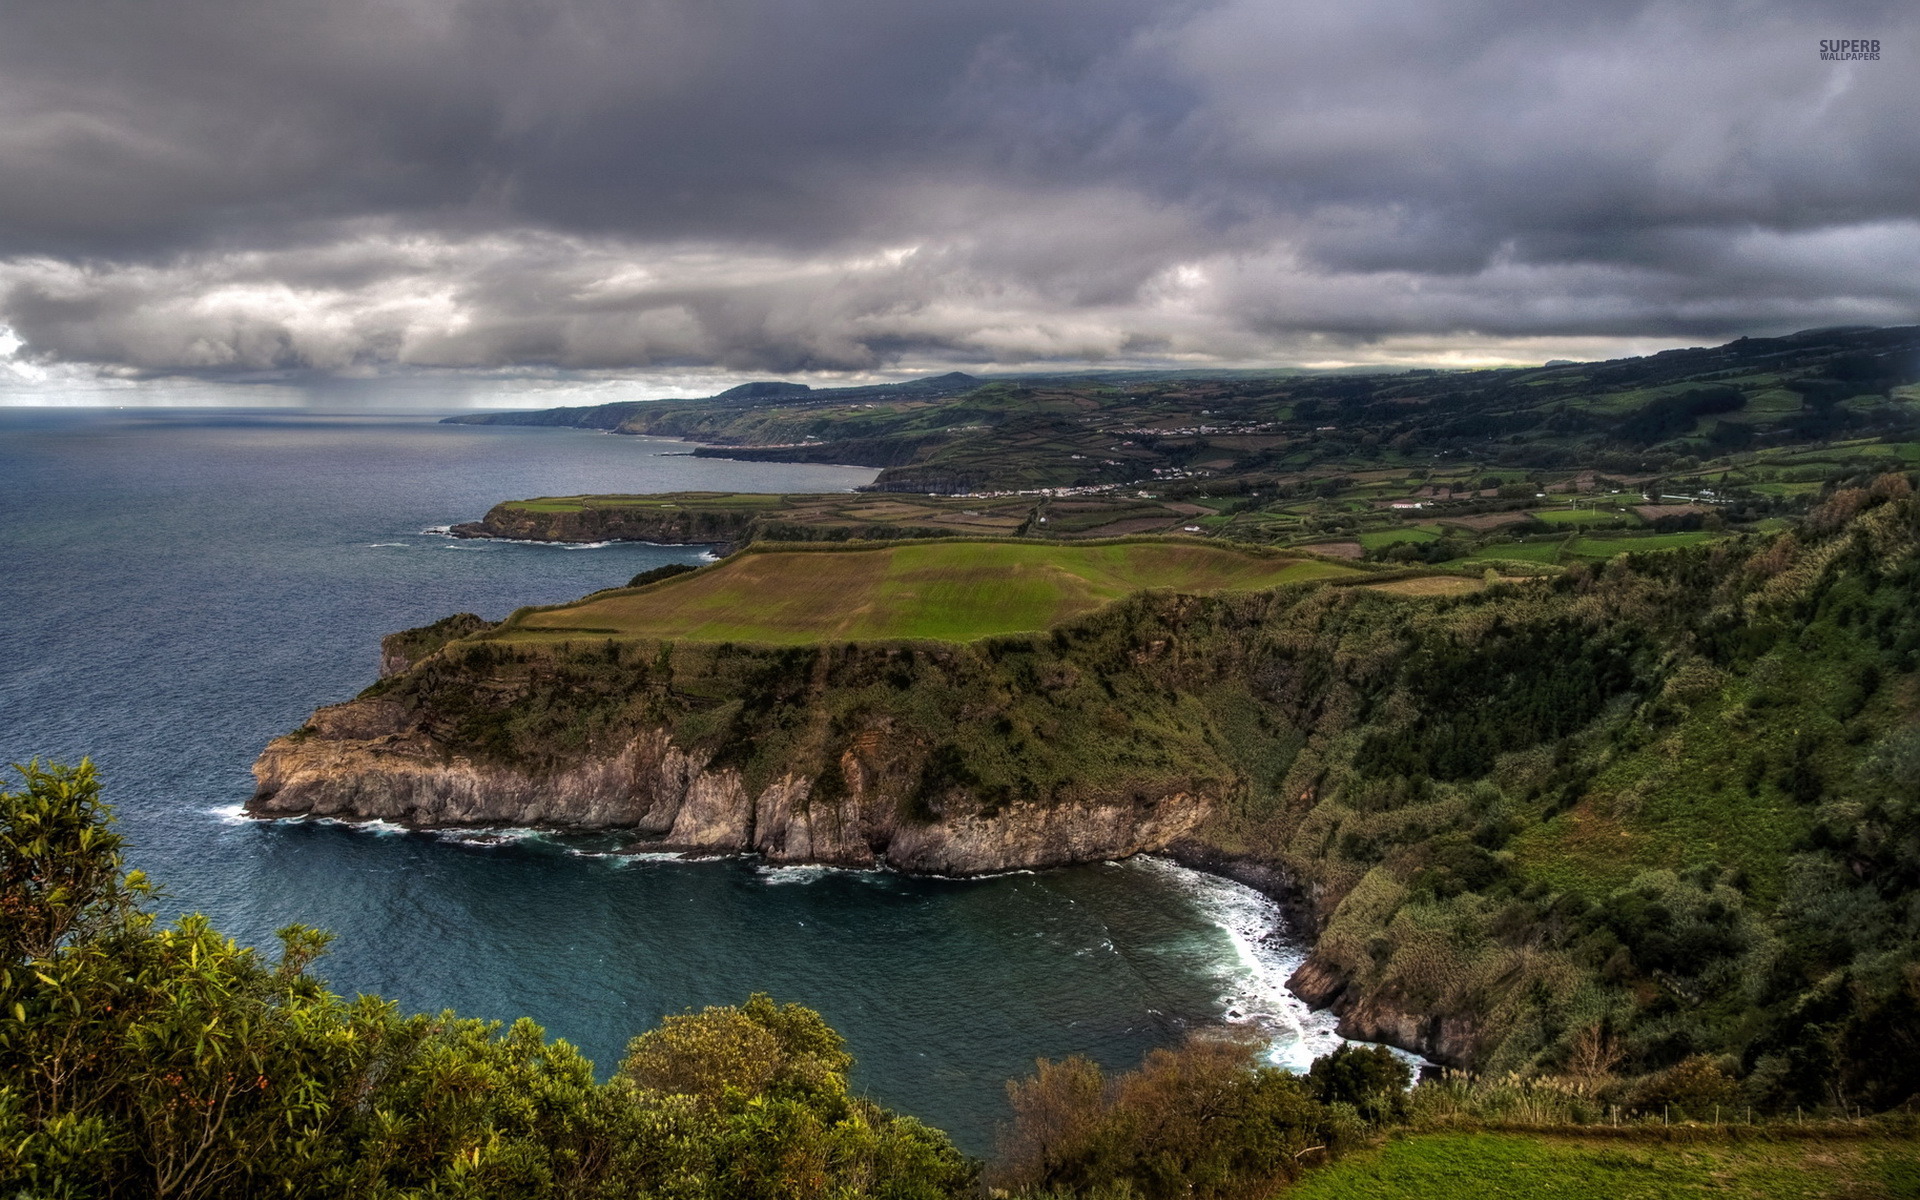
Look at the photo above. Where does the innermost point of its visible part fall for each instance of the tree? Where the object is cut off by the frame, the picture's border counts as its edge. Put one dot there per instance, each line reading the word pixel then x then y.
pixel 1371 1078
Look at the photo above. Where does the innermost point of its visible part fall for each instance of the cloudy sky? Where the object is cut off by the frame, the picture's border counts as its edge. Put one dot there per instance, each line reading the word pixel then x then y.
pixel 691 190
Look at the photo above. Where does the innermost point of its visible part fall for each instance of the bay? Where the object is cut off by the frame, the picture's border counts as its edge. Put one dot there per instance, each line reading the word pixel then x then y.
pixel 181 586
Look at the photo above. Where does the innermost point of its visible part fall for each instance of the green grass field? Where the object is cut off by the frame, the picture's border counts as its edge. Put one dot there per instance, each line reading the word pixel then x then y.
pixel 1593 547
pixel 943 591
pixel 1514 1167
pixel 1541 552
pixel 1393 537
pixel 1584 516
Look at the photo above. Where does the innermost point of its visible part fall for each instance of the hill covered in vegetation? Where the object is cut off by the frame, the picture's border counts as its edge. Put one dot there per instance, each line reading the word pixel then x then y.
pixel 1631 813
pixel 1660 414
pixel 1562 464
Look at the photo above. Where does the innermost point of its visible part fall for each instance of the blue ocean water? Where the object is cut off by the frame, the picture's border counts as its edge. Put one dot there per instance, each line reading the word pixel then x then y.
pixel 179 587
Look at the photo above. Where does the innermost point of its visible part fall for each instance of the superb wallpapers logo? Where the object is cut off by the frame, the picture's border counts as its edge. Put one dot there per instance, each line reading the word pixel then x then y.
pixel 1851 50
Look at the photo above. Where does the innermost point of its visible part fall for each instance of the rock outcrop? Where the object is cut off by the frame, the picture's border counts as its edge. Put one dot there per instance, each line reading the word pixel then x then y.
pixel 609 523
pixel 364 761
pixel 1374 1017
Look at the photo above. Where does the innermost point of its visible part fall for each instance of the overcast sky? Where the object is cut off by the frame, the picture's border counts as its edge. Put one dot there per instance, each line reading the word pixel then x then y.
pixel 683 190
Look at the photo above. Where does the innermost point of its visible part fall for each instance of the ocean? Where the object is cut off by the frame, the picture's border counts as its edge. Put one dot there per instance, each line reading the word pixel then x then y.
pixel 181 586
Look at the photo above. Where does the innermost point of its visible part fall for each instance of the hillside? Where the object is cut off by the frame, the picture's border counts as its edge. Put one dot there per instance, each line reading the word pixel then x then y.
pixel 1652 808
pixel 1737 405
pixel 1551 466
pixel 143 1059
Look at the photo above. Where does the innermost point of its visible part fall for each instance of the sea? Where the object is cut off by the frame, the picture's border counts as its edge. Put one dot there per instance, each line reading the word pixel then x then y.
pixel 179 586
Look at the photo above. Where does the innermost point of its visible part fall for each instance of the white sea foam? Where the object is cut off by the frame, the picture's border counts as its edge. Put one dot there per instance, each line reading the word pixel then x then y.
pixel 374 826
pixel 236 814
pixel 776 876
pixel 488 837
pixel 439 530
pixel 1253 979
pixel 386 545
pixel 627 858
pixel 579 545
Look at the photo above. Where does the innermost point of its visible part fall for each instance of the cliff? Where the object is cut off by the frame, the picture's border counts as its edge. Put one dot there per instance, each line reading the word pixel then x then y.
pixel 587 522
pixel 720 519
pixel 363 760
pixel 1507 817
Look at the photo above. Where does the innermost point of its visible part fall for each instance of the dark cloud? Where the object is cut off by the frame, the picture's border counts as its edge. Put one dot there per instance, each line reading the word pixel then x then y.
pixel 852 186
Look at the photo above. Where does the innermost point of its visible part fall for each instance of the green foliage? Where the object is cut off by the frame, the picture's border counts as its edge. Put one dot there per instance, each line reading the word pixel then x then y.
pixel 60 865
pixel 1203 1120
pixel 1370 1078
pixel 140 1061
pixel 656 574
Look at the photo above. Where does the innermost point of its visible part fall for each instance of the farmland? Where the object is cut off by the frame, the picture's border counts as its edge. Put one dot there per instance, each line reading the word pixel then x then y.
pixel 945 591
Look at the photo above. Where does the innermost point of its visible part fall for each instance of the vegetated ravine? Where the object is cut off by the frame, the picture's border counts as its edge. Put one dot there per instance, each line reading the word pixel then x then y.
pixel 1665 806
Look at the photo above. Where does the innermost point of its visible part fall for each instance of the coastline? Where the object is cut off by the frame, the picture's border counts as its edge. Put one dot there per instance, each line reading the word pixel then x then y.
pixel 1319 991
pixel 1256 978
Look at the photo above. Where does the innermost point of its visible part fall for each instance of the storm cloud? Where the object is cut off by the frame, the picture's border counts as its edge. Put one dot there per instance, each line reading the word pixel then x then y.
pixel 211 186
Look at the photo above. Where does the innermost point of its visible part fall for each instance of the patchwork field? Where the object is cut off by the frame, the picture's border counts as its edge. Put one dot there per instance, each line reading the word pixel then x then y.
pixel 944 591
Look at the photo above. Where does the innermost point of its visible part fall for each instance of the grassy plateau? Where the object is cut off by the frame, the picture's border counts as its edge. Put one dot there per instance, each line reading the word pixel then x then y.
pixel 954 591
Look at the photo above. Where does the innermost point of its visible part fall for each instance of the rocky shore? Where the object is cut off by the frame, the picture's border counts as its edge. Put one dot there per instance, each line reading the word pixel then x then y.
pixel 368 760
pixel 364 761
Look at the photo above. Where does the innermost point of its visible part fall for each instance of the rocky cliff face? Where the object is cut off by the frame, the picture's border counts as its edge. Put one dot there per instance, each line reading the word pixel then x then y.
pixel 364 760
pixel 1373 1017
pixel 610 523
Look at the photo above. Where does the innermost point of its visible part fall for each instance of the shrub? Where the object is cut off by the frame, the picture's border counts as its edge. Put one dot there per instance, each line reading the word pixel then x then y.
pixel 139 1061
pixel 1373 1079
pixel 1203 1120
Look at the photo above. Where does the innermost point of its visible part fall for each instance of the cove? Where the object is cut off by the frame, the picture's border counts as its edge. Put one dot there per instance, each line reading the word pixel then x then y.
pixel 183 586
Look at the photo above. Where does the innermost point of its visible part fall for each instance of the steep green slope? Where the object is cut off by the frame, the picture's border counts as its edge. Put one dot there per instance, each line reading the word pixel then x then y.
pixel 1661 806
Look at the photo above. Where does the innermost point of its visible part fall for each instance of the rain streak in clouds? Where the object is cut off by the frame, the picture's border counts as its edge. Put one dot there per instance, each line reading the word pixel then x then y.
pixel 213 187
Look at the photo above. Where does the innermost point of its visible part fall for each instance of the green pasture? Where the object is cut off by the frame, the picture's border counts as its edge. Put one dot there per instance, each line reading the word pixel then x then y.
pixel 1595 547
pixel 1907 452
pixel 1393 537
pixel 944 591
pixel 1501 1166
pixel 1583 516
pixel 1540 552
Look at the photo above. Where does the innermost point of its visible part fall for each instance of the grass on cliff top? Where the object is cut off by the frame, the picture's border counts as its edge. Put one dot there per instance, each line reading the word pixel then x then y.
pixel 1489 1166
pixel 943 591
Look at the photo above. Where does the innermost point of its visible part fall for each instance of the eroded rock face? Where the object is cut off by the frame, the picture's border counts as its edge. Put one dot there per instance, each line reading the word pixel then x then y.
pixel 1374 1017
pixel 361 761
pixel 612 523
